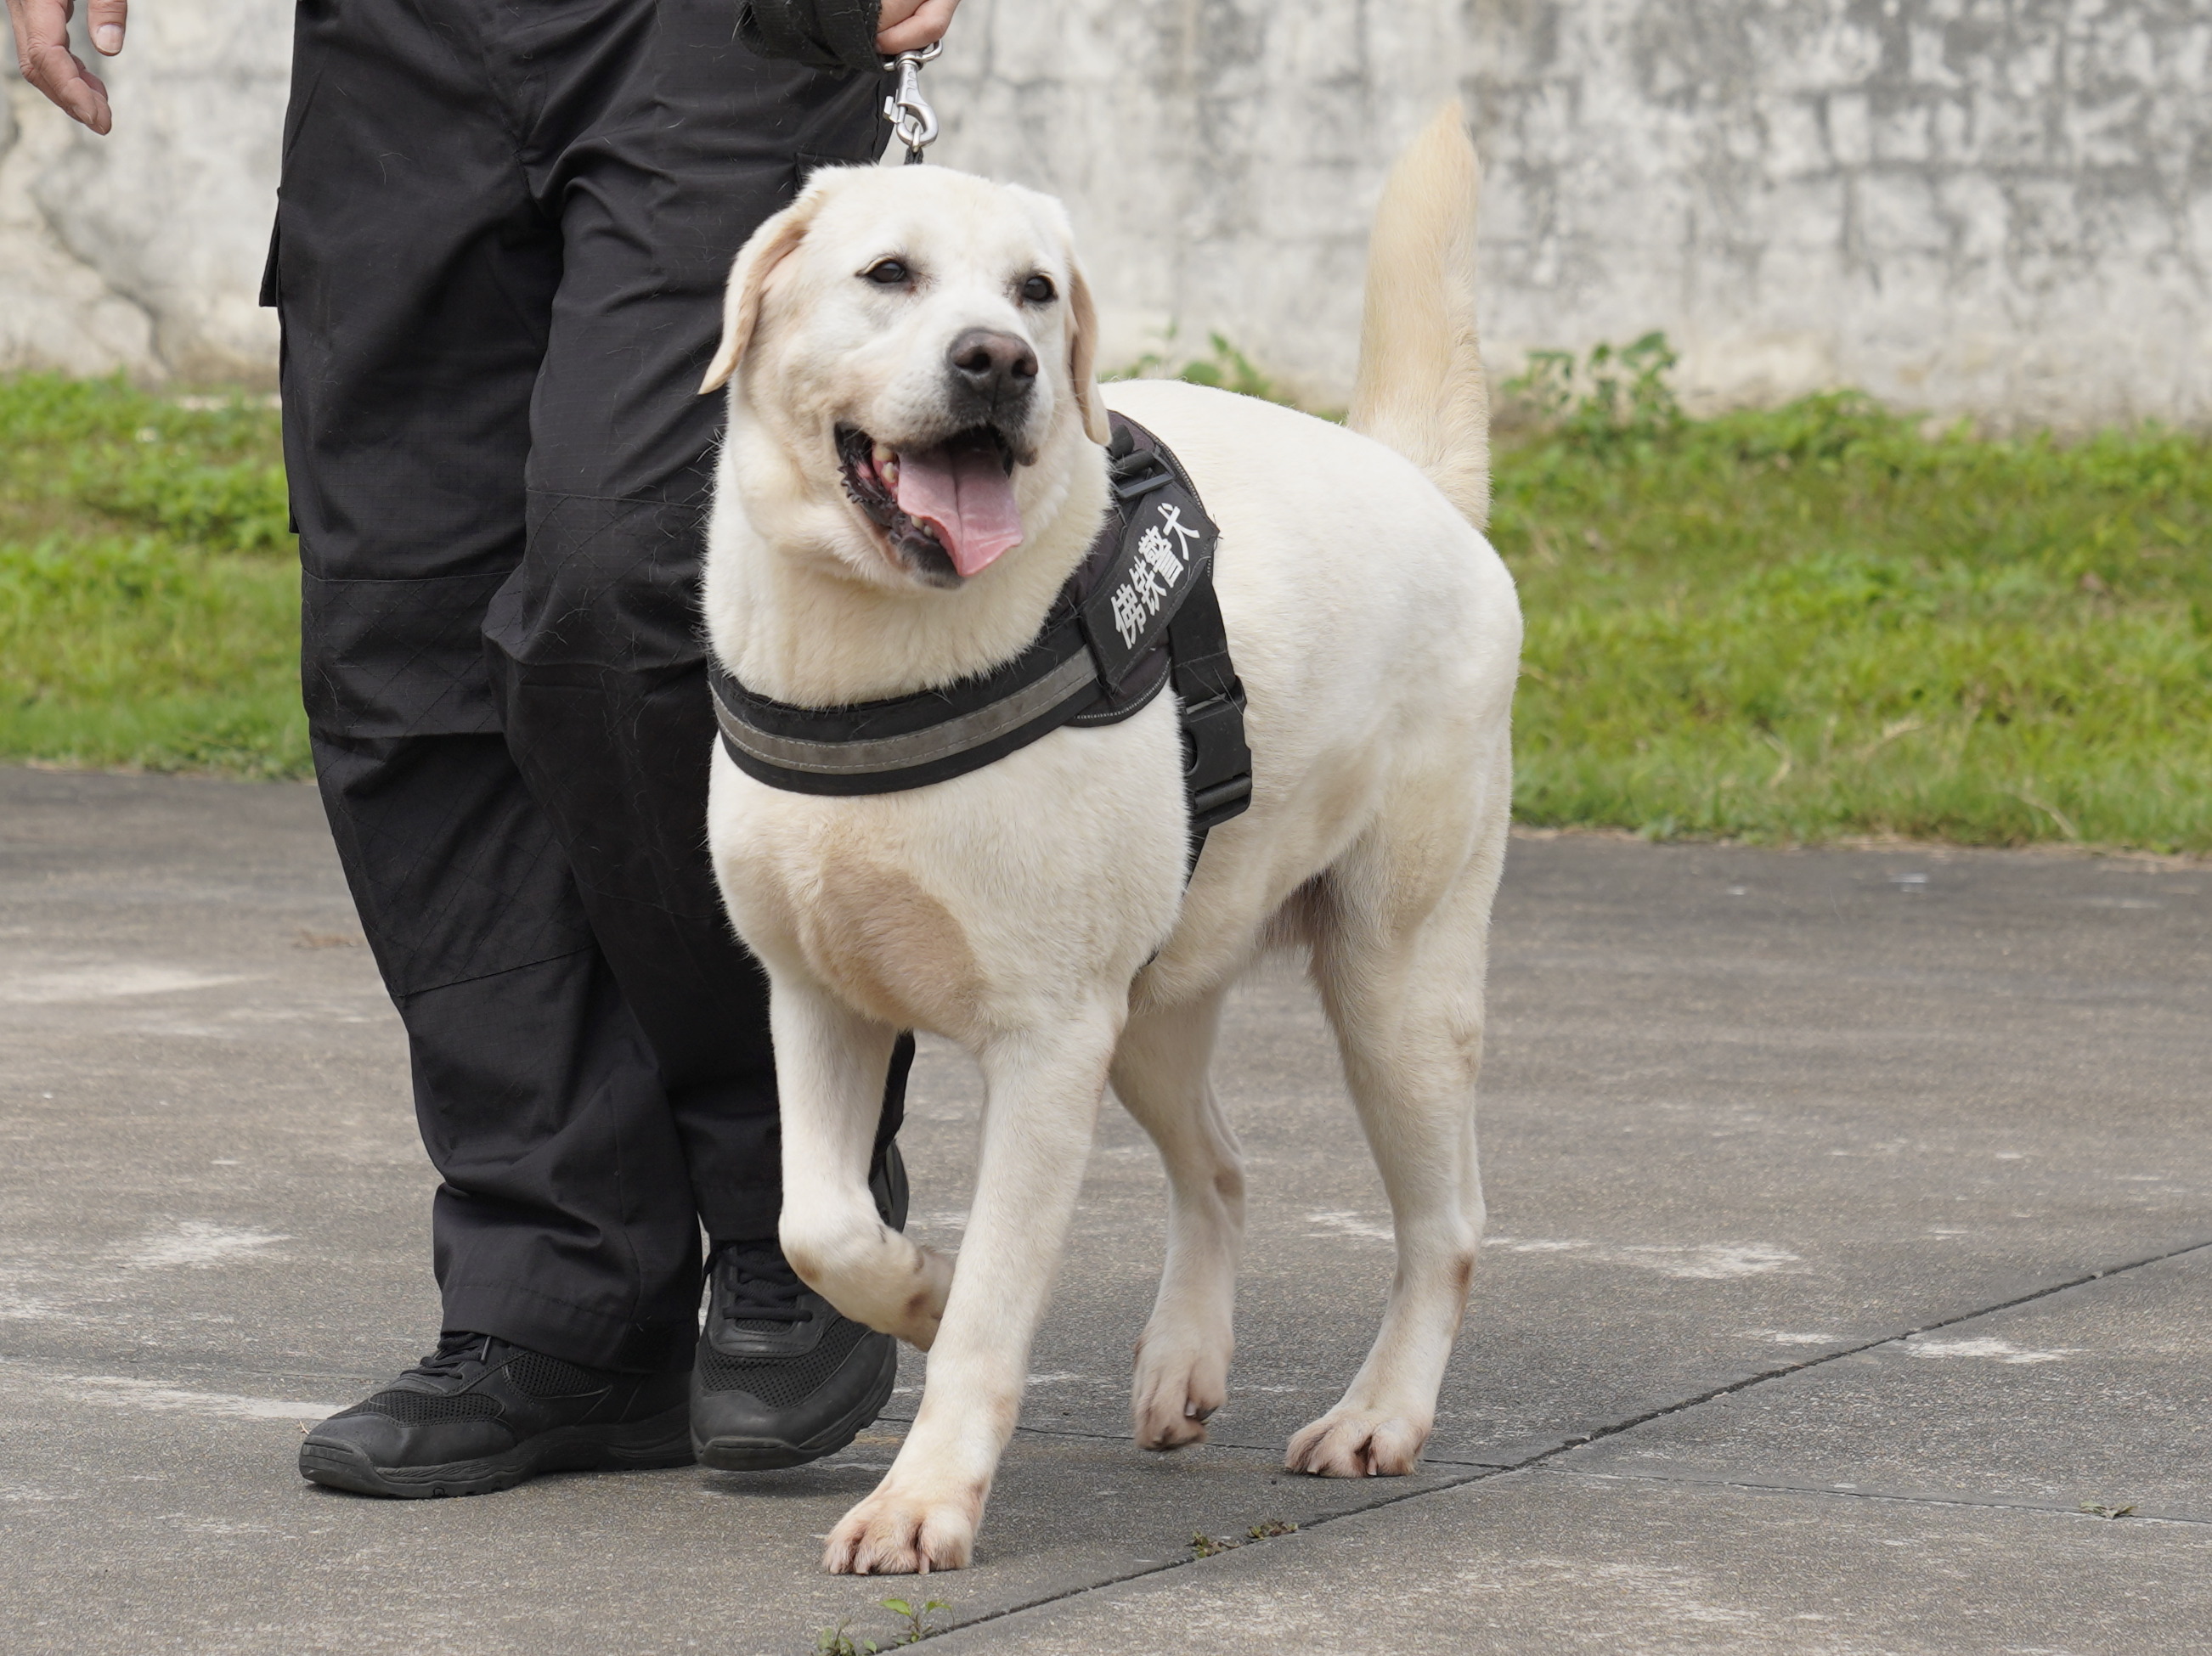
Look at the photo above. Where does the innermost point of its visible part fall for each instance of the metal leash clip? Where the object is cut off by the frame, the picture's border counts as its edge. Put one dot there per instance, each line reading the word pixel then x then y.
pixel 914 123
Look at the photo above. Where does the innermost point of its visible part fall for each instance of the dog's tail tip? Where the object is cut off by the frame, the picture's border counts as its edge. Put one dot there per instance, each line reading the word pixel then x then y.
pixel 1420 388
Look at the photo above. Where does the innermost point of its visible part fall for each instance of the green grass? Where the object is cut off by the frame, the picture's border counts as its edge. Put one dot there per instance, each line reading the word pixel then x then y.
pixel 1788 626
pixel 1820 621
pixel 149 593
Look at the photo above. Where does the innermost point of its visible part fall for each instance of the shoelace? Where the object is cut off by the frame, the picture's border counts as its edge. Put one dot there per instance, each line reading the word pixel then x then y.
pixel 758 1286
pixel 456 1347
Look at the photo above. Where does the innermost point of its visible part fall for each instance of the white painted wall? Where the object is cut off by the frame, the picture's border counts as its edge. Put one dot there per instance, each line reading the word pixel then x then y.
pixel 1994 207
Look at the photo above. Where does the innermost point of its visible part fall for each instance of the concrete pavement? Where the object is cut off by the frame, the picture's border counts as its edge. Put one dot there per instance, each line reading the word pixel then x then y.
pixel 1843 1207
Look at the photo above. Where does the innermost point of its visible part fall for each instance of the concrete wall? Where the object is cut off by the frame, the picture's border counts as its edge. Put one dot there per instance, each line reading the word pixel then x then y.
pixel 2000 207
pixel 144 250
pixel 1994 207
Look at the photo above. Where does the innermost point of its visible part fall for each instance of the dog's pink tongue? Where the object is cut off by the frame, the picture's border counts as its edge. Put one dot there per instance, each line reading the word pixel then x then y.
pixel 962 492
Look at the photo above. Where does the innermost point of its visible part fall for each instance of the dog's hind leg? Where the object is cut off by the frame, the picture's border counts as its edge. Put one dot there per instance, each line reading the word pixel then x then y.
pixel 1402 983
pixel 1043 1087
pixel 1182 1356
pixel 830 1064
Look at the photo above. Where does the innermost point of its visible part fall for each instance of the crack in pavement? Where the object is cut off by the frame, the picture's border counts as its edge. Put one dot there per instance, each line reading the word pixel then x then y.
pixel 1541 1460
pixel 1693 1483
pixel 1781 1370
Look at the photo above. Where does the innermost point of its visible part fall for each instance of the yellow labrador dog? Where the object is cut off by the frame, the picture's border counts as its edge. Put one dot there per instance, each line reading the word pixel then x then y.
pixel 923 335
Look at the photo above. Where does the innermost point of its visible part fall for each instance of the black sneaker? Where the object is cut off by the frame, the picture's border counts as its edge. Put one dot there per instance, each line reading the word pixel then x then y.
pixel 782 1378
pixel 479 1414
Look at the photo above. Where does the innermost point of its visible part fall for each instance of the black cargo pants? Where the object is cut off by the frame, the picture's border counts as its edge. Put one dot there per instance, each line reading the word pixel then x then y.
pixel 501 240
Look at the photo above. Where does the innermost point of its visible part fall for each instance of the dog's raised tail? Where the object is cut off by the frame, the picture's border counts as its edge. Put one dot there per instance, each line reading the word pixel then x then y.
pixel 1420 387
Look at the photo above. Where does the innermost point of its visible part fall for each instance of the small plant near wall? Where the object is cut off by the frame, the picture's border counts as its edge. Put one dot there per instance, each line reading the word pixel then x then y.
pixel 1224 366
pixel 1616 394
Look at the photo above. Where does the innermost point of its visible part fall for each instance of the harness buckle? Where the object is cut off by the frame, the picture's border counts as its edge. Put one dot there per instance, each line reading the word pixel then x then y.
pixel 1139 474
pixel 1216 762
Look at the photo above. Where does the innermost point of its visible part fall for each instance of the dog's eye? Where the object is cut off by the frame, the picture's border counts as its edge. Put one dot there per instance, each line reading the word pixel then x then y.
pixel 1039 290
pixel 888 273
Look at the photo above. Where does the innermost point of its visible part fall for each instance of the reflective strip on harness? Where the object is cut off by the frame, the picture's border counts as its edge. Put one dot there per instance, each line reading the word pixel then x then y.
pixel 1139 613
pixel 875 755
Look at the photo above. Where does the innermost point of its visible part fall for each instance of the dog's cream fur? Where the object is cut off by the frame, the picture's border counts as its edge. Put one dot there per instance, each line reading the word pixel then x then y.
pixel 1034 911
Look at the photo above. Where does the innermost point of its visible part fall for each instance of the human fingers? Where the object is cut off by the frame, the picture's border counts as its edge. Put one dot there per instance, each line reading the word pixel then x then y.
pixel 42 52
pixel 921 24
pixel 106 18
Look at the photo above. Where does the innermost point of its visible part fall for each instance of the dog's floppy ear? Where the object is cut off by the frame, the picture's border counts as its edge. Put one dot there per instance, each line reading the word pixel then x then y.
pixel 1083 356
pixel 768 247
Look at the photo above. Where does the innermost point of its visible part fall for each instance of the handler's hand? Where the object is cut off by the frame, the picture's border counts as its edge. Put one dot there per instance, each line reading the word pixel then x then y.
pixel 42 53
pixel 902 26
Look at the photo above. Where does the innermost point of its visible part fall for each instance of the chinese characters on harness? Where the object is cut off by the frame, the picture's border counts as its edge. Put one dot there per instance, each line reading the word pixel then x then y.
pixel 1163 556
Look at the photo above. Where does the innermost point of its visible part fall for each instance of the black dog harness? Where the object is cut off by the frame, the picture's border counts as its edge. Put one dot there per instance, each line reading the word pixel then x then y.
pixel 1139 611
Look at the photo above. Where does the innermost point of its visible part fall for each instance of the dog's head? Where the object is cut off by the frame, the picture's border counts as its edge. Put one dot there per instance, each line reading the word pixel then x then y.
pixel 914 348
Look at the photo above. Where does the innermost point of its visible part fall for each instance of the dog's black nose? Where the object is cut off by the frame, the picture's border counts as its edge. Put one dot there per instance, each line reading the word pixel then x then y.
pixel 997 365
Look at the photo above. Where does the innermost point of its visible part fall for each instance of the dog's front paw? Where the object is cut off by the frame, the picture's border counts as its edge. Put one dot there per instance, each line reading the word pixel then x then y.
pixel 896 1533
pixel 1358 1443
pixel 1176 1389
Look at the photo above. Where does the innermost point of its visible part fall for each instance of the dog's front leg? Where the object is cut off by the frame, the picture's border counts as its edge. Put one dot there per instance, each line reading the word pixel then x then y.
pixel 829 1064
pixel 1042 1088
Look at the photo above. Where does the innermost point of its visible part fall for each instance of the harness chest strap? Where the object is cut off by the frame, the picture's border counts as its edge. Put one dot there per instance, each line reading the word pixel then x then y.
pixel 1139 612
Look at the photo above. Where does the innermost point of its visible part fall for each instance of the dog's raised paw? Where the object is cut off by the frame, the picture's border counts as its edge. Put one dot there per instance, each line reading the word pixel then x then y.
pixel 1357 1443
pixel 1175 1392
pixel 895 1534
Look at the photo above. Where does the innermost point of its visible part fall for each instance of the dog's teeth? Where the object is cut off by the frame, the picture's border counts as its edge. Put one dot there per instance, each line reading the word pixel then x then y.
pixel 887 465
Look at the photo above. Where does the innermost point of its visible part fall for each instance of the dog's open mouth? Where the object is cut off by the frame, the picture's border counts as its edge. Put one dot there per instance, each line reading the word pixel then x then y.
pixel 946 509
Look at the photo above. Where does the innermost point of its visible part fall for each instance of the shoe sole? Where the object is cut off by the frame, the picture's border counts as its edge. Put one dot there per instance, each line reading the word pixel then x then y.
pixel 651 1445
pixel 767 1455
